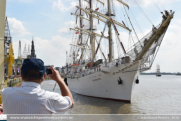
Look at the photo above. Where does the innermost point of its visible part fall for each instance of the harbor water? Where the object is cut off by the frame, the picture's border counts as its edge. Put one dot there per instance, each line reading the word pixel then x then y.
pixel 153 95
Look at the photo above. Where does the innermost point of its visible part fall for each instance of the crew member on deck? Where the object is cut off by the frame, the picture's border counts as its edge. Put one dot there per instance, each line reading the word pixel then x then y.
pixel 154 29
pixel 29 98
pixel 166 13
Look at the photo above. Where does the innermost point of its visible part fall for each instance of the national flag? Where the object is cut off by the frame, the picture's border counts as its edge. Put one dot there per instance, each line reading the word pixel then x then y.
pixel 97 9
pixel 82 26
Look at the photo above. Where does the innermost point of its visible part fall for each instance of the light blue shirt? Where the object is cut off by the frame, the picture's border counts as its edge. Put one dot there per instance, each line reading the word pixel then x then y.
pixel 31 99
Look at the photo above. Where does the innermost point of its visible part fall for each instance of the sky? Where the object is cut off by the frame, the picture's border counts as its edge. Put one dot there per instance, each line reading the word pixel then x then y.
pixel 48 23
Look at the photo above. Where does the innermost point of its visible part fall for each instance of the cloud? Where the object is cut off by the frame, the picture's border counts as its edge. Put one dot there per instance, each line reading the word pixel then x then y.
pixel 52 52
pixel 22 1
pixel 59 4
pixel 67 25
pixel 48 15
pixel 17 28
pixel 139 2
pixel 145 3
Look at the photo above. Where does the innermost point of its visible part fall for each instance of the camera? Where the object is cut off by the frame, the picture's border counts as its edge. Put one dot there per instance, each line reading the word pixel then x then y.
pixel 48 71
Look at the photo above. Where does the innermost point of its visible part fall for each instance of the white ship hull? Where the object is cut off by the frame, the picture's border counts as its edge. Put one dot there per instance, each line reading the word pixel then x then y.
pixel 105 85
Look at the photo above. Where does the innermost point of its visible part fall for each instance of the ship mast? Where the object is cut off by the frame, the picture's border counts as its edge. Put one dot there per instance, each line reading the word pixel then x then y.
pixel 95 14
pixel 80 31
pixel 158 69
pixel 92 41
pixel 109 32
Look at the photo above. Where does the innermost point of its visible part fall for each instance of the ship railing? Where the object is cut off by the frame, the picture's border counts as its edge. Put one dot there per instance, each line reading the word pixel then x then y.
pixel 148 58
pixel 87 71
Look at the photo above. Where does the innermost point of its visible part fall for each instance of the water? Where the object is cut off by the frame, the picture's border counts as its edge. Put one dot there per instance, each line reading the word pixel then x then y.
pixel 153 95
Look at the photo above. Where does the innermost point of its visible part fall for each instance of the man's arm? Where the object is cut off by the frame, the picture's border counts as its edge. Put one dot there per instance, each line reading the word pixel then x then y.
pixel 63 87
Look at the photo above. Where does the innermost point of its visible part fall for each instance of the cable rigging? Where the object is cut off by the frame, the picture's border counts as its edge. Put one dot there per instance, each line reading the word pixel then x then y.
pixel 136 21
pixel 143 12
pixel 125 17
pixel 132 26
pixel 161 4
pixel 156 6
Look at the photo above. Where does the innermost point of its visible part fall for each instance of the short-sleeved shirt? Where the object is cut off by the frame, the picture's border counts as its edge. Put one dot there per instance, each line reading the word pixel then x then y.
pixel 31 99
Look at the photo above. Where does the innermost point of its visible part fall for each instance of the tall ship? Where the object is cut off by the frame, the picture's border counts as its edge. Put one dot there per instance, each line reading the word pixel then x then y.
pixel 158 71
pixel 106 54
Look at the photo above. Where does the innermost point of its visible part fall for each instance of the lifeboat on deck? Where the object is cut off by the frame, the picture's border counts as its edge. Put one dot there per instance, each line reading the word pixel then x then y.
pixel 75 65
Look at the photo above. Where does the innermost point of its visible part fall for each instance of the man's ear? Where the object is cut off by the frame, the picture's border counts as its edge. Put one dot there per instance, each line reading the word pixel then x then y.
pixel 21 76
pixel 44 76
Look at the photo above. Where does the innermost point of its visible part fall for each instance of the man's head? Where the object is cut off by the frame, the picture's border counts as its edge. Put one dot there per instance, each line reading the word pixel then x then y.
pixel 33 69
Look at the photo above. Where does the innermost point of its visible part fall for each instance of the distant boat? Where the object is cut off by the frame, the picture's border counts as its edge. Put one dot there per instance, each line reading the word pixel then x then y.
pixel 158 71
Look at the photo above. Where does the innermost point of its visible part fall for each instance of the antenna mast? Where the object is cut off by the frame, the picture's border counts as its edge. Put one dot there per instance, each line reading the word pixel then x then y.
pixel 18 64
pixel 19 50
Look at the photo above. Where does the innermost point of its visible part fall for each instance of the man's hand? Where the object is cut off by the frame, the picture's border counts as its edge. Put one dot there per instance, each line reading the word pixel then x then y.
pixel 1 107
pixel 55 74
pixel 63 87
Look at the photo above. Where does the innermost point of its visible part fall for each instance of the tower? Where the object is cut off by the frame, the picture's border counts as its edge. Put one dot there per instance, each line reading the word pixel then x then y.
pixel 19 61
pixel 29 52
pixel 25 53
pixel 33 55
pixel 19 50
pixel 7 41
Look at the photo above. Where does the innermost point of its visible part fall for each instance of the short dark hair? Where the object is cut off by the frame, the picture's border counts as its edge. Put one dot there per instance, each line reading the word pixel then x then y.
pixel 32 75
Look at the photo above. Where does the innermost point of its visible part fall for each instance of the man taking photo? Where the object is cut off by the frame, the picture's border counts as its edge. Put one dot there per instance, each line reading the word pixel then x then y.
pixel 29 98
